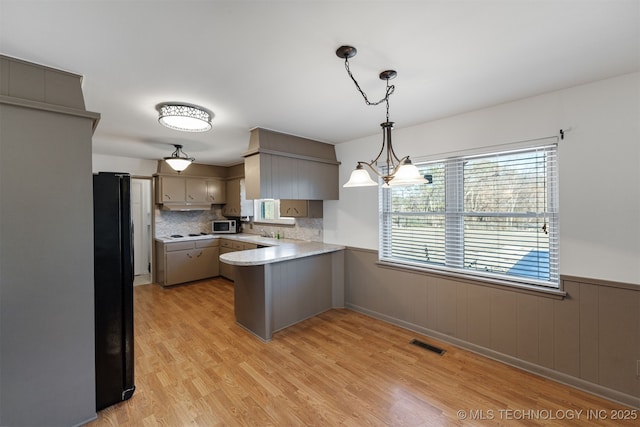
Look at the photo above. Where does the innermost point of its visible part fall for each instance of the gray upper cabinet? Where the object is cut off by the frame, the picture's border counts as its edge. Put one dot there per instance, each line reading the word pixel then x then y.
pixel 237 204
pixel 187 193
pixel 216 191
pixel 170 189
pixel 281 166
pixel 301 208
pixel 232 207
pixel 196 190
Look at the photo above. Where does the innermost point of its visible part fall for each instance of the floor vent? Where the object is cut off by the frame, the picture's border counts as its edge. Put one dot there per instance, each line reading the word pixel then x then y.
pixel 428 347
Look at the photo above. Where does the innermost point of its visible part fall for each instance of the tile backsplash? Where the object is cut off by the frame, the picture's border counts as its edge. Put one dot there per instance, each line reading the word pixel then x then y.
pixel 174 222
pixel 304 229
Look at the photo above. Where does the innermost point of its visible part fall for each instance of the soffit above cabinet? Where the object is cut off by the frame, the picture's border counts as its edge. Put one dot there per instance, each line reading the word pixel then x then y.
pixel 272 142
pixel 281 166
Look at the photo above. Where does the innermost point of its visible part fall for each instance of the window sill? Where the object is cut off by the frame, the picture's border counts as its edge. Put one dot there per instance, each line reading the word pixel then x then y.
pixel 282 221
pixel 476 280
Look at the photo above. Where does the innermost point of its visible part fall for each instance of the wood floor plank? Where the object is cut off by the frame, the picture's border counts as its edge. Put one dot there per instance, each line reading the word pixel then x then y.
pixel 195 366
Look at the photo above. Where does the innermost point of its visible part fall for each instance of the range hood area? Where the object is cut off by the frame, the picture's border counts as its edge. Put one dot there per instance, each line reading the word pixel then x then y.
pixel 185 207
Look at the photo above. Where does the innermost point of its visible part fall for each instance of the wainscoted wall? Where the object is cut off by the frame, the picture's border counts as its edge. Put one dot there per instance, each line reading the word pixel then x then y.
pixel 590 339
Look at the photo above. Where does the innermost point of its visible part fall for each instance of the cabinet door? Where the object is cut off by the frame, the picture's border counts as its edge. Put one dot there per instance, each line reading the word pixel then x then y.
pixel 178 267
pixel 193 264
pixel 321 182
pixel 205 263
pixel 216 191
pixel 232 207
pixel 172 189
pixel 226 270
pixel 257 176
pixel 294 208
pixel 301 208
pixel 196 190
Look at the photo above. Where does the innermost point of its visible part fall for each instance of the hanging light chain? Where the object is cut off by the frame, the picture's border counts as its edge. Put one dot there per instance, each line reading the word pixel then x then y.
pixel 390 89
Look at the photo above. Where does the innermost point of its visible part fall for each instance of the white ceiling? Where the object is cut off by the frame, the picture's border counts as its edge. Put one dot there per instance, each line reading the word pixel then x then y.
pixel 272 63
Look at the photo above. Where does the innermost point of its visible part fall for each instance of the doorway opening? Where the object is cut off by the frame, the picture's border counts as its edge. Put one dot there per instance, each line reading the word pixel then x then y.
pixel 141 202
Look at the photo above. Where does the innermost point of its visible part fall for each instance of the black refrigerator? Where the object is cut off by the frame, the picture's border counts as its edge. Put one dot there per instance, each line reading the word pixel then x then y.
pixel 113 287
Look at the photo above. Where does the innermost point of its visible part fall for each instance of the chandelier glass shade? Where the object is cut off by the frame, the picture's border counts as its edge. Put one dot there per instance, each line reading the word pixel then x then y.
pixel 393 171
pixel 185 117
pixel 178 160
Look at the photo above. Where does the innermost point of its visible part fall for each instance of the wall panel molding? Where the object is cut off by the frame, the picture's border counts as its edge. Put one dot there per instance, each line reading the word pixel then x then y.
pixel 590 339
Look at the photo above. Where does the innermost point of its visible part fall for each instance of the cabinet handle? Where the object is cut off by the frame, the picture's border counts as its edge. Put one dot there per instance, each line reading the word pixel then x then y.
pixel 189 255
pixel 190 197
pixel 198 256
pixel 166 196
pixel 295 209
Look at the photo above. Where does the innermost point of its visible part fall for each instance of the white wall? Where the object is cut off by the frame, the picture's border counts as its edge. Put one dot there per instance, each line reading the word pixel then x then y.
pixel 599 164
pixel 135 167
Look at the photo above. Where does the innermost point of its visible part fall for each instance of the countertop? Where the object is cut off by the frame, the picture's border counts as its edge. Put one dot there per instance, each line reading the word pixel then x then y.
pixel 277 250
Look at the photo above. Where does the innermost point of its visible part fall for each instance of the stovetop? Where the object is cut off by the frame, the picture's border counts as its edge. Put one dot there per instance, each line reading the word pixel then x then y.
pixel 187 236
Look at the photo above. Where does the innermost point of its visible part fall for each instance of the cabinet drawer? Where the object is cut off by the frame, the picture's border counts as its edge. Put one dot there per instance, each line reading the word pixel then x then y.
pixel 247 246
pixel 213 243
pixel 179 246
pixel 224 243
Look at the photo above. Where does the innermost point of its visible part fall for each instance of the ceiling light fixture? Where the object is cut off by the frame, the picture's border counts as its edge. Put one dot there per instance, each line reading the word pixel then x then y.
pixel 178 160
pixel 395 171
pixel 185 117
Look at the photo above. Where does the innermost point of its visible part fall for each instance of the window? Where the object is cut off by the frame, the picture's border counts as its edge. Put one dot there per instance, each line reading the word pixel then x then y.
pixel 268 210
pixel 491 215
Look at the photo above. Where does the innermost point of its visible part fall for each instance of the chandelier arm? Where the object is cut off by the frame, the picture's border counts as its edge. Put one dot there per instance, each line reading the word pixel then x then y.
pixel 374 161
pixel 371 168
pixel 393 153
pixel 390 88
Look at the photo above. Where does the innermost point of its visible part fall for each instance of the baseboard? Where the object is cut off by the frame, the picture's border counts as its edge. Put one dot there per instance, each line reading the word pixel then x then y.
pixel 560 377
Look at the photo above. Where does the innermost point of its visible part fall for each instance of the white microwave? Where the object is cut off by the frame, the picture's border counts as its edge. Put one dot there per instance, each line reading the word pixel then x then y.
pixel 223 226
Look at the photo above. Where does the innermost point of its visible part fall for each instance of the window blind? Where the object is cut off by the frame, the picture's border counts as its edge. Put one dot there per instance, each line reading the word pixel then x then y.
pixel 493 214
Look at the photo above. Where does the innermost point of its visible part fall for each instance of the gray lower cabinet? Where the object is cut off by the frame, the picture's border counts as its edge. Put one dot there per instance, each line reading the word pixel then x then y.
pixel 226 246
pixel 182 262
pixel 226 270
pixel 271 297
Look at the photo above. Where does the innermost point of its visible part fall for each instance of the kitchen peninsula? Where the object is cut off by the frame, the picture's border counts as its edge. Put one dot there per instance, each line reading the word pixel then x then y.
pixel 278 284
pixel 285 283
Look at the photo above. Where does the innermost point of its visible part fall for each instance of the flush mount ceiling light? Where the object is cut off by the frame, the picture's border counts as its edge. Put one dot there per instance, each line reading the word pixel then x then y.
pixel 395 171
pixel 178 160
pixel 185 117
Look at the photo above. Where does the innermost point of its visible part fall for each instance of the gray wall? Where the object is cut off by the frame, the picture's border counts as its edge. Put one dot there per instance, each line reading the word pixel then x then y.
pixel 590 339
pixel 46 258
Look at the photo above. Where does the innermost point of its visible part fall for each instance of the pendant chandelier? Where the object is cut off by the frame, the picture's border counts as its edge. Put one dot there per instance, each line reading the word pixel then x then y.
pixel 179 160
pixel 395 171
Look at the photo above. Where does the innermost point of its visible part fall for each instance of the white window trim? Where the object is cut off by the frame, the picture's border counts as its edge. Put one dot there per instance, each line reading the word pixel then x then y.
pixel 257 218
pixel 525 284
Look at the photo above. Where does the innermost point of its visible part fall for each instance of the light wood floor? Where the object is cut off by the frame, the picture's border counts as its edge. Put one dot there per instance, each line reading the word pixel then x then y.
pixel 196 367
